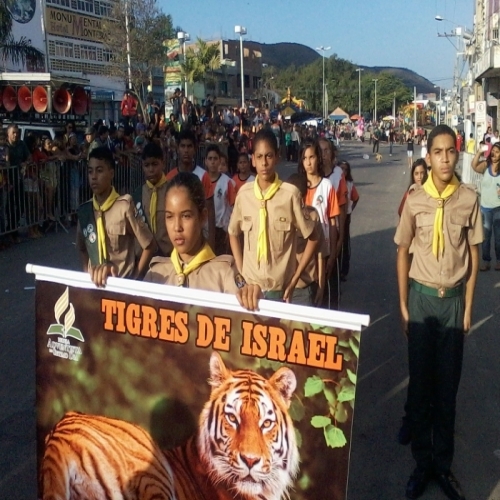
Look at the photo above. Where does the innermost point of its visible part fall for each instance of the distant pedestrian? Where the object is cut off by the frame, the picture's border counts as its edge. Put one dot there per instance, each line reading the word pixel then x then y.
pixel 410 146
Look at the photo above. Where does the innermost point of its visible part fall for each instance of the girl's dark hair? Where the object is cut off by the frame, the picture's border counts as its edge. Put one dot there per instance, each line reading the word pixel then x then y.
pixel 300 182
pixel 496 145
pixel 348 173
pixel 266 135
pixel 212 148
pixel 192 184
pixel 418 163
pixel 314 144
pixel 440 130
pixel 152 150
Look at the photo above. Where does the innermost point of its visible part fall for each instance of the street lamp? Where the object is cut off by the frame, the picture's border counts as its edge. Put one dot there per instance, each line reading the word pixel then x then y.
pixel 184 37
pixel 375 80
pixel 439 109
pixel 359 70
pixel 323 49
pixel 240 30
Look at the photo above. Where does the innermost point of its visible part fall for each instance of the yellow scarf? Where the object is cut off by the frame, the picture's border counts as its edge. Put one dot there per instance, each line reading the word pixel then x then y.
pixel 262 241
pixel 154 200
pixel 101 231
pixel 204 255
pixel 430 189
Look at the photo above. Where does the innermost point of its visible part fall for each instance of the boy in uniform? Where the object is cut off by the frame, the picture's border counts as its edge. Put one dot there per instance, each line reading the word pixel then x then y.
pixel 149 199
pixel 441 220
pixel 269 214
pixel 109 225
pixel 187 153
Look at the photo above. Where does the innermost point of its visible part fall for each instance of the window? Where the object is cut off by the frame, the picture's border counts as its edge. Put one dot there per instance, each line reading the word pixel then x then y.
pixel 226 49
pixel 223 88
pixel 247 81
pixel 256 82
pixel 85 5
pixel 62 3
pixel 88 52
pixel 246 52
pixel 494 33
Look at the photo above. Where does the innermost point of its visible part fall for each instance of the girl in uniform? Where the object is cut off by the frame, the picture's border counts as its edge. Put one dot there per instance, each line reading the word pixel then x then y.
pixel 321 196
pixel 192 263
pixel 418 176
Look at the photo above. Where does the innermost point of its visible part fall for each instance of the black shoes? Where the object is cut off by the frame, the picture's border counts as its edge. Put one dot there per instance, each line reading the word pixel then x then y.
pixel 404 434
pixel 450 486
pixel 417 484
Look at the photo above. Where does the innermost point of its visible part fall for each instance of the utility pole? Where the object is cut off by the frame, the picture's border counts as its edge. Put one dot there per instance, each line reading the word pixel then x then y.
pixel 127 33
pixel 359 70
pixel 375 80
pixel 415 111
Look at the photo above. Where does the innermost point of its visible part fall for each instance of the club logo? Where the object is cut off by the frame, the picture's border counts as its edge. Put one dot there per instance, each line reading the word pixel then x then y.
pixel 62 347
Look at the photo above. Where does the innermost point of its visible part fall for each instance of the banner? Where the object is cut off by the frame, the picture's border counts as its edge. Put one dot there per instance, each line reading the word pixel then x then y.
pixel 172 70
pixel 70 24
pixel 183 394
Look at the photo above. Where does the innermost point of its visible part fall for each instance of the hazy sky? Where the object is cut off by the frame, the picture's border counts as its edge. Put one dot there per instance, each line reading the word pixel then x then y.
pixel 368 32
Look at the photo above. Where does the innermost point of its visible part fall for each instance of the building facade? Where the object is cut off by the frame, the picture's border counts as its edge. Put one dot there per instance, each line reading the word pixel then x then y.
pixel 70 34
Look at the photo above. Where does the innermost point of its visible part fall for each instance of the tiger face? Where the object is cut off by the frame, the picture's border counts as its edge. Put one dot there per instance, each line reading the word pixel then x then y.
pixel 247 439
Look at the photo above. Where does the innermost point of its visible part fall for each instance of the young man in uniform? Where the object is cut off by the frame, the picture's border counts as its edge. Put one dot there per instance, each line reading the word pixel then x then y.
pixel 334 173
pixel 269 214
pixel 441 219
pixel 149 199
pixel 187 153
pixel 109 225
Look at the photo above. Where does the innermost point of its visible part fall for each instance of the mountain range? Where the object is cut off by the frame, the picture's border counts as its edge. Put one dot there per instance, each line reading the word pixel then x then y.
pixel 282 55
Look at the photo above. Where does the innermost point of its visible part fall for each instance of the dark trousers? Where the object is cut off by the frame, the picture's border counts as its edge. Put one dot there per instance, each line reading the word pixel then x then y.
pixel 435 352
pixel 375 144
pixel 491 226
pixel 331 297
pixel 345 256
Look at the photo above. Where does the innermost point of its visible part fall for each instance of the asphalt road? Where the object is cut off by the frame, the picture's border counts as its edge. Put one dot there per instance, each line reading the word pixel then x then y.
pixel 380 466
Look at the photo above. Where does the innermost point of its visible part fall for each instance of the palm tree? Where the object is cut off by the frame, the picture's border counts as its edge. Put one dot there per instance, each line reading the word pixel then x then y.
pixel 18 51
pixel 203 58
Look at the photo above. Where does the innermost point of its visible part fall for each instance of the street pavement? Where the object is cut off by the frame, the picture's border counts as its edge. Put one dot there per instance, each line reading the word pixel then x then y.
pixel 380 466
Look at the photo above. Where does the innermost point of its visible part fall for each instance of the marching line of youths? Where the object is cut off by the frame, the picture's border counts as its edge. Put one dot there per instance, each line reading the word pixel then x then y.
pixel 286 238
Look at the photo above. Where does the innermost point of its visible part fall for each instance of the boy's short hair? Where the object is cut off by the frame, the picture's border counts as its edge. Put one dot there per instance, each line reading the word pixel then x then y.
pixel 104 154
pixel 152 150
pixel 187 135
pixel 212 148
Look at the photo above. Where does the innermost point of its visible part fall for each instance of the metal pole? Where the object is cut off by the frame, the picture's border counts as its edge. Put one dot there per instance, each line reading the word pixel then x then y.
pixel 359 91
pixel 242 75
pixel 324 115
pixel 439 112
pixel 127 33
pixel 185 77
pixel 375 80
pixel 394 107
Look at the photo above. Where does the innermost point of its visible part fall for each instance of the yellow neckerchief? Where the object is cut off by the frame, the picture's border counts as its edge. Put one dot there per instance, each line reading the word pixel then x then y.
pixel 204 255
pixel 154 200
pixel 262 241
pixel 101 231
pixel 430 189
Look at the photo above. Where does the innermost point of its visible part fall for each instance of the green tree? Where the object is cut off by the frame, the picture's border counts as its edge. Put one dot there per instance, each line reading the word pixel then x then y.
pixel 18 51
pixel 200 63
pixel 148 28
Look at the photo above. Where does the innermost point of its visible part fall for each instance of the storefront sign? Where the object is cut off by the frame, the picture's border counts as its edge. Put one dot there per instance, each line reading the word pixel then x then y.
pixel 70 24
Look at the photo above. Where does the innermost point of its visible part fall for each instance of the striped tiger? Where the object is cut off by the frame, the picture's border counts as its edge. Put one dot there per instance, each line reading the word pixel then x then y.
pixel 245 448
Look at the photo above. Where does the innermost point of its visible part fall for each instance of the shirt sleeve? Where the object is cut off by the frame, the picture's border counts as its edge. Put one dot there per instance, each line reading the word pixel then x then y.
pixel 475 233
pixel 342 191
pixel 207 186
pixel 231 192
pixel 234 227
pixel 171 174
pixel 405 231
pixel 229 280
pixel 354 193
pixel 333 205
pixel 139 227
pixel 305 226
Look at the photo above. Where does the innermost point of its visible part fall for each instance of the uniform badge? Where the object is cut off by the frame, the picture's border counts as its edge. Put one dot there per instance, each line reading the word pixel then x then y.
pixel 92 237
pixel 219 193
pixel 90 228
pixel 85 233
pixel 181 279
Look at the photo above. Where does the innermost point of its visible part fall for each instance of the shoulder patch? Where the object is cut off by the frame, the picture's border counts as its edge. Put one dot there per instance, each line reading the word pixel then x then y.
pixel 229 259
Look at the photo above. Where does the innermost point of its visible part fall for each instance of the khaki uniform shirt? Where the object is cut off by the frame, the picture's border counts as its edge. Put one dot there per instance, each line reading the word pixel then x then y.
pixel 123 226
pixel 462 227
pixel 310 273
pixel 217 275
pixel 284 218
pixel 161 236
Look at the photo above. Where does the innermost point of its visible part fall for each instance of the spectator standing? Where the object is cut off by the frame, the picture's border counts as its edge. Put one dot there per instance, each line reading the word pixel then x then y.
pixel 470 147
pixel 490 204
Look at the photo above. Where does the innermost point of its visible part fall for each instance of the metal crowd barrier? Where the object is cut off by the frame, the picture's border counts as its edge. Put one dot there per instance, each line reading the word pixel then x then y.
pixel 469 176
pixel 51 192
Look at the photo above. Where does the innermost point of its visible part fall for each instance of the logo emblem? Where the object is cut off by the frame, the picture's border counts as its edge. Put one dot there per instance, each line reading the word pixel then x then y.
pixel 64 313
pixel 92 237
pixel 90 228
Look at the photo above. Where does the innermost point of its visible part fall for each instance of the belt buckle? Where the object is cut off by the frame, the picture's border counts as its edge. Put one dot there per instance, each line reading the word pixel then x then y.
pixel 441 292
